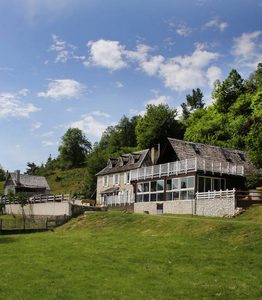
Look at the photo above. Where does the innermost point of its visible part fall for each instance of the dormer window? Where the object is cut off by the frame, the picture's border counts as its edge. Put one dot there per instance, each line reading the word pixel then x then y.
pixel 120 161
pixel 242 156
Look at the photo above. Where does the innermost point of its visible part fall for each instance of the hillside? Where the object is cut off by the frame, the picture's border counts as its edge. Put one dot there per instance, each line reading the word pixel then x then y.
pixel 70 181
pixel 129 256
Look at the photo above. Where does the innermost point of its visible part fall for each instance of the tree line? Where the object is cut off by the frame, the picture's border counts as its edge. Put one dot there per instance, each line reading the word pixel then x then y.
pixel 232 120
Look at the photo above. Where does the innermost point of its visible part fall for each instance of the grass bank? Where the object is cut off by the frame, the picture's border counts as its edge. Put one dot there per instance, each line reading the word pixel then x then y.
pixel 127 256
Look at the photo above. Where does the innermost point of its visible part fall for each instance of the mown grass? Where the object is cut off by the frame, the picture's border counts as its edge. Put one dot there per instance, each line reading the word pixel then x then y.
pixel 127 256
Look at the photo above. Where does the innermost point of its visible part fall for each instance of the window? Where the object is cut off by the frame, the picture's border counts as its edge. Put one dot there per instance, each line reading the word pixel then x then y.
pixel 105 181
pixel 116 179
pixel 127 177
pixel 206 184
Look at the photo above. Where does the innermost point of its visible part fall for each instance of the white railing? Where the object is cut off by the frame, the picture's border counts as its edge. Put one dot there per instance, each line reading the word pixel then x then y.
pixel 186 166
pixel 119 200
pixel 49 198
pixel 227 194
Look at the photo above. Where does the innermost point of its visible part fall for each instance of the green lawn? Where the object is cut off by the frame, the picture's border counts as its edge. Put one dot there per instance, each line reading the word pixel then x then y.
pixel 127 256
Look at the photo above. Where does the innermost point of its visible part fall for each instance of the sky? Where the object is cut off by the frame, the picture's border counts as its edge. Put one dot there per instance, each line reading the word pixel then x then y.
pixel 86 63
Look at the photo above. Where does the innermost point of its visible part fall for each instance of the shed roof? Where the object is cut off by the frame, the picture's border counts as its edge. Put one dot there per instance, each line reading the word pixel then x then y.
pixel 28 181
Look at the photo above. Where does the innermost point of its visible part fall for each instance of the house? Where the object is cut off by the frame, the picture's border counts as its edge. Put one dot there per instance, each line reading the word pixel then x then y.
pixel 114 181
pixel 29 184
pixel 185 169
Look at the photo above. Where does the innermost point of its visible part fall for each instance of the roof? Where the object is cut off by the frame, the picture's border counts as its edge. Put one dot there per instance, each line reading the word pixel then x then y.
pixel 29 181
pixel 110 190
pixel 125 162
pixel 186 150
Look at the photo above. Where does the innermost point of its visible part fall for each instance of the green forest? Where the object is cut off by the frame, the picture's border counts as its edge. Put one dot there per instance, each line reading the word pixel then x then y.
pixel 232 120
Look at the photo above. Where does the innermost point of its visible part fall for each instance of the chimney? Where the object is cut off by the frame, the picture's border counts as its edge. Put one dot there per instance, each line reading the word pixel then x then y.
pixel 154 153
pixel 17 176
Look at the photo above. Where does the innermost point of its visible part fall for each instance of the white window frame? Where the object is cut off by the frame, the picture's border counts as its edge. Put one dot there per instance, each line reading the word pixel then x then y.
pixel 105 181
pixel 127 177
pixel 116 182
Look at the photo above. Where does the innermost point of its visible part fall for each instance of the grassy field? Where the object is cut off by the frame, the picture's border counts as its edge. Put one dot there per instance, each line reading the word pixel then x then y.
pixel 127 256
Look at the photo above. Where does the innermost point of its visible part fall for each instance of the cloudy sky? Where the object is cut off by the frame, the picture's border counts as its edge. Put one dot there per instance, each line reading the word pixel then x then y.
pixel 86 63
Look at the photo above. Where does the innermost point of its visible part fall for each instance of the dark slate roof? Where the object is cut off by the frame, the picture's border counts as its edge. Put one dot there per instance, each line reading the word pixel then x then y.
pixel 125 162
pixel 29 181
pixel 186 150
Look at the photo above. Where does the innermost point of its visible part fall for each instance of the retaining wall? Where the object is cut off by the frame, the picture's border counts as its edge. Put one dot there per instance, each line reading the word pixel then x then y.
pixel 41 209
pixel 209 207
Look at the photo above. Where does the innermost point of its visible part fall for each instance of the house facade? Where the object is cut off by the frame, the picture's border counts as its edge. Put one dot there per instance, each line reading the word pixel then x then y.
pixel 28 184
pixel 114 181
pixel 183 170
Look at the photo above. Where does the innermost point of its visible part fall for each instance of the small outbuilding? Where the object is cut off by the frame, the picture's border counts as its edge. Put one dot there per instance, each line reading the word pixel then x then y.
pixel 28 184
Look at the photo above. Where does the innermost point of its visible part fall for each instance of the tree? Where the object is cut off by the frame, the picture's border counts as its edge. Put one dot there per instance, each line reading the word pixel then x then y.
pixel 73 149
pixel 193 102
pixel 226 93
pixel 119 136
pixel 31 168
pixel 2 174
pixel 158 123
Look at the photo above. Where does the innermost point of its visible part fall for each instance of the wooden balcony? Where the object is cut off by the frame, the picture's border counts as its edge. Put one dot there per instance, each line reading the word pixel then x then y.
pixel 187 166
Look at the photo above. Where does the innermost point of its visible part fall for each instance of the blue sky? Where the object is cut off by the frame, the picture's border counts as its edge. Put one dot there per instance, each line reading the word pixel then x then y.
pixel 86 63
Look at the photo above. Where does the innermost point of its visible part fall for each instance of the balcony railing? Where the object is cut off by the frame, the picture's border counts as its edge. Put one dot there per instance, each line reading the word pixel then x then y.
pixel 119 200
pixel 187 166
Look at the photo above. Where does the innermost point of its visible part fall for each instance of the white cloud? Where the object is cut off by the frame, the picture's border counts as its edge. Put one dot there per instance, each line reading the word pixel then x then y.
pixel 48 143
pixel 186 72
pixel 213 73
pixel 48 134
pixel 37 125
pixel 63 88
pixel 158 100
pixel 215 23
pixel 23 92
pixel 64 51
pixel 247 49
pixel 99 113
pixel 90 126
pixel 119 84
pixel 11 105
pixel 107 54
pixel 179 72
pixel 183 30
pixel 152 65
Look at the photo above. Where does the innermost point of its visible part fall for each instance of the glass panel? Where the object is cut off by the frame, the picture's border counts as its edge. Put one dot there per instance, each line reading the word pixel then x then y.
pixel 160 185
pixel 146 197
pixel 160 197
pixel 146 187
pixel 183 195
pixel 183 183
pixel 201 182
pixel 140 187
pixel 139 198
pixel 168 184
pixel 169 196
pixel 208 184
pixel 175 195
pixel 153 186
pixel 191 182
pixel 175 184
pixel 217 184
pixel 153 197
pixel 190 194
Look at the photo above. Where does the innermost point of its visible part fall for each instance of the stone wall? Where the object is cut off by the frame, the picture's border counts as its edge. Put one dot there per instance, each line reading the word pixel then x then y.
pixel 217 207
pixel 41 209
